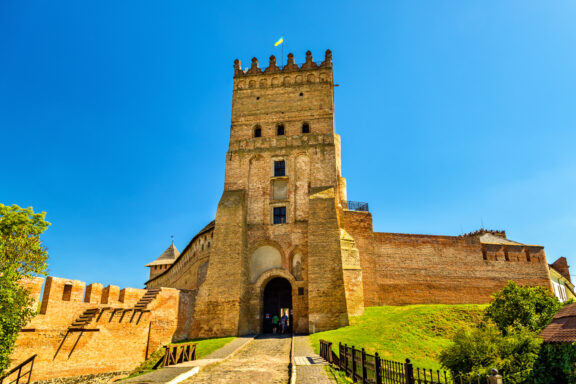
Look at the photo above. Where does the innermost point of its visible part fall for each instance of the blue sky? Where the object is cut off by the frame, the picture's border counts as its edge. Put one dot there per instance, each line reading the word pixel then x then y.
pixel 115 116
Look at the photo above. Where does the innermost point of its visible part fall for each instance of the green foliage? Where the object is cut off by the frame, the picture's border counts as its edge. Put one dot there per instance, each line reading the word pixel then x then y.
pixel 479 350
pixel 21 255
pixel 508 340
pixel 555 365
pixel 417 332
pixel 521 306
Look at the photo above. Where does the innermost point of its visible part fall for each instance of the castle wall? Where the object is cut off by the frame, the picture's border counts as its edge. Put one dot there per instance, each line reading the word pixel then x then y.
pixel 425 269
pixel 116 336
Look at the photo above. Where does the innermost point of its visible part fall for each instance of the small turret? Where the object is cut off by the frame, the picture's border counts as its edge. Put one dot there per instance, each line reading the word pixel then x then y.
pixel 272 67
pixel 254 69
pixel 165 260
pixel 309 64
pixel 238 68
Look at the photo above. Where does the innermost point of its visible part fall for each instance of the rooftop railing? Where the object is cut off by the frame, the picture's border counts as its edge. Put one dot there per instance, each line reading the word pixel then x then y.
pixel 355 206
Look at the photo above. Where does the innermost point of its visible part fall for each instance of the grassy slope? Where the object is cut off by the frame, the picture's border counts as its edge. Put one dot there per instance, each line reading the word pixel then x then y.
pixel 418 332
pixel 204 347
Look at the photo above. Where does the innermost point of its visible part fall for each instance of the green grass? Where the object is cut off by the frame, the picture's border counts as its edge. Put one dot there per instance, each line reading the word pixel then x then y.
pixel 418 332
pixel 204 347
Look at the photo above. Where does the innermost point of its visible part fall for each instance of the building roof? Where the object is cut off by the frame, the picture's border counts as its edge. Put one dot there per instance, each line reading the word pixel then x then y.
pixel 562 329
pixel 561 265
pixel 490 238
pixel 168 257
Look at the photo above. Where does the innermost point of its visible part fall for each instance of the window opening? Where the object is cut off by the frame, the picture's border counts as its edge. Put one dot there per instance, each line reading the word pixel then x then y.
pixel 305 128
pixel 279 215
pixel 257 131
pixel 67 292
pixel 279 168
pixel 280 130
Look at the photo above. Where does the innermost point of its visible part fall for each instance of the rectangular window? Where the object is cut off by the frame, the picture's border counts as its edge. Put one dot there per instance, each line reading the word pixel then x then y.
pixel 279 168
pixel 279 215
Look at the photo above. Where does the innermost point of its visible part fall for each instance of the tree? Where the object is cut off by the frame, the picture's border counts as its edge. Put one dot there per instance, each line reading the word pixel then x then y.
pixel 479 350
pixel 508 338
pixel 522 306
pixel 22 255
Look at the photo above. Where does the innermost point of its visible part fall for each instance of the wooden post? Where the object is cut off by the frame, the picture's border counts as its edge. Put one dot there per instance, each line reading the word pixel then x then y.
pixel 494 377
pixel 353 364
pixel 346 359
pixel 363 366
pixel 377 368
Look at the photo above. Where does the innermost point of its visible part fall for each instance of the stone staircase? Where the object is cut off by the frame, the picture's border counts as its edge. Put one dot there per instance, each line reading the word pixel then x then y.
pixel 85 318
pixel 150 295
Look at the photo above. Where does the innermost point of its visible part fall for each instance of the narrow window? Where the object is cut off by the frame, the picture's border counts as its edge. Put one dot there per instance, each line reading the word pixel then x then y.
pixel 305 128
pixel 279 215
pixel 484 254
pixel 528 255
pixel 280 130
pixel 279 168
pixel 300 291
pixel 257 131
pixel 67 292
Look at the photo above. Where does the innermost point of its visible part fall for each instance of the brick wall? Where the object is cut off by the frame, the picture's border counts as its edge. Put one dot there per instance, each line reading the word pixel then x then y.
pixel 414 269
pixel 117 337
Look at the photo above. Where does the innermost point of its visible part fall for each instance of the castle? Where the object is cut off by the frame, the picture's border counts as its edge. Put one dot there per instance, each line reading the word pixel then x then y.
pixel 285 239
pixel 286 235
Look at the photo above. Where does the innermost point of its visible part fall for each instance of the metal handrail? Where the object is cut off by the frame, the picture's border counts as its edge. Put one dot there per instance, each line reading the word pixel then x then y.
pixel 19 369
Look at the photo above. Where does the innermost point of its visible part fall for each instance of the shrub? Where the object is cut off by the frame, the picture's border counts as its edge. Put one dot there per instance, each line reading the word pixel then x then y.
pixel 529 307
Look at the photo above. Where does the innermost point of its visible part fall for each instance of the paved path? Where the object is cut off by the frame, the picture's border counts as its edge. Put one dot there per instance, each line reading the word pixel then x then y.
pixel 264 360
pixel 167 374
pixel 310 368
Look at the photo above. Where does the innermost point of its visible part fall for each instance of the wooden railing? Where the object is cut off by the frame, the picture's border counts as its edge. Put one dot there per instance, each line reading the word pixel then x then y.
pixel 17 375
pixel 176 354
pixel 364 368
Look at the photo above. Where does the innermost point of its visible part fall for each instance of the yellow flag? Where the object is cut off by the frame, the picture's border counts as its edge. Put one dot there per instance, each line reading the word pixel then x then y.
pixel 279 42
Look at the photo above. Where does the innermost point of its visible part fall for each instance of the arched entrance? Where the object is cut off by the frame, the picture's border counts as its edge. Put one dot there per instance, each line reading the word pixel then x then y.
pixel 277 300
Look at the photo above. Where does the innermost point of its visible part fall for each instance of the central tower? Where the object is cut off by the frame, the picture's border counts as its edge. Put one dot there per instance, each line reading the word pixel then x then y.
pixel 279 214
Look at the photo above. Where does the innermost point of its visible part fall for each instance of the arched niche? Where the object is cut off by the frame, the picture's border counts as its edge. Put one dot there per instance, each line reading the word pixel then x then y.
pixel 263 259
pixel 296 266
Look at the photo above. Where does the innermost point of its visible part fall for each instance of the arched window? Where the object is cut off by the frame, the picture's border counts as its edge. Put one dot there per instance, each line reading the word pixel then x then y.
pixel 257 131
pixel 280 130
pixel 305 128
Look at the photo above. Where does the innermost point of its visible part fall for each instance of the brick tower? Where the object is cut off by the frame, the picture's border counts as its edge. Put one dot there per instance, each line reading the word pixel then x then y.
pixel 277 223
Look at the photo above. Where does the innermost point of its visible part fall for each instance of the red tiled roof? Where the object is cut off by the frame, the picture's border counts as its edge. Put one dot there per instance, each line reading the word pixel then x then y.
pixel 562 329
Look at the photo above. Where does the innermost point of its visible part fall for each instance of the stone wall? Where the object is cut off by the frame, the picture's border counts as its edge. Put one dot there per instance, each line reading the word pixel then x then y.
pixel 98 329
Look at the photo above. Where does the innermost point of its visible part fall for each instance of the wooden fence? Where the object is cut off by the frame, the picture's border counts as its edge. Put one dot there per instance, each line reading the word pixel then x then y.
pixel 176 354
pixel 372 369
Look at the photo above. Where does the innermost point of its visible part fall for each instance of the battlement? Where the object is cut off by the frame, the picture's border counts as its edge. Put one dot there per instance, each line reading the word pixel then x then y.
pixel 483 231
pixel 79 324
pixel 290 66
pixel 59 292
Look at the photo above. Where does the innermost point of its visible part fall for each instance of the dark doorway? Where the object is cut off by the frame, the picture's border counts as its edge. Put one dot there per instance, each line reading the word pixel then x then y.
pixel 277 301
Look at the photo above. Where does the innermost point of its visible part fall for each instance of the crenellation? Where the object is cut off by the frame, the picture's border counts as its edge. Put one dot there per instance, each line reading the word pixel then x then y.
pixel 93 293
pixel 111 295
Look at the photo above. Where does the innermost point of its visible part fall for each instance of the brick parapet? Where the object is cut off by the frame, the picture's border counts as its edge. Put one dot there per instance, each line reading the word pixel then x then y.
pixel 116 336
pixel 425 269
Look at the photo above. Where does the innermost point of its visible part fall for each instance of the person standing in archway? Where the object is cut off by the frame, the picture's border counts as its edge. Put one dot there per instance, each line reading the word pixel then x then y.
pixel 284 323
pixel 275 320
